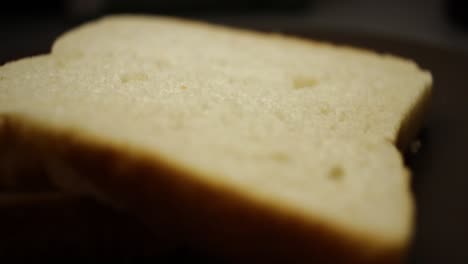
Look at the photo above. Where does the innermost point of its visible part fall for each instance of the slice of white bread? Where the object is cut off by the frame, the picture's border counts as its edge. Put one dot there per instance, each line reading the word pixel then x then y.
pixel 255 145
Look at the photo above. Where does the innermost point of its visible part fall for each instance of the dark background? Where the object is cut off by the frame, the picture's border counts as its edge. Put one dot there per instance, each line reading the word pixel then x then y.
pixel 432 32
pixel 443 23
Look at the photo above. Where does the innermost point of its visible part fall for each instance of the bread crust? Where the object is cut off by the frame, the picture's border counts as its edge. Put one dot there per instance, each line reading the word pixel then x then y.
pixel 414 121
pixel 211 218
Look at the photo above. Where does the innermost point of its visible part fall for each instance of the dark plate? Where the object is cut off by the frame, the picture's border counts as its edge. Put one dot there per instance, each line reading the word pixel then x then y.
pixel 440 168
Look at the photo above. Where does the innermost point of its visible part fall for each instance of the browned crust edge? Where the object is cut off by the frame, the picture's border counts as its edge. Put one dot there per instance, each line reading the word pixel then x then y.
pixel 414 120
pixel 179 206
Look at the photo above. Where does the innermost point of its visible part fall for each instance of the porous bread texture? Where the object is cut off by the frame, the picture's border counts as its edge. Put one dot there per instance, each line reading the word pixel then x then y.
pixel 297 128
pixel 362 78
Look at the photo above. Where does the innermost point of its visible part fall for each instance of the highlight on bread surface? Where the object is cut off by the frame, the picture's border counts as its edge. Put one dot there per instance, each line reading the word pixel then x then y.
pixel 239 142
